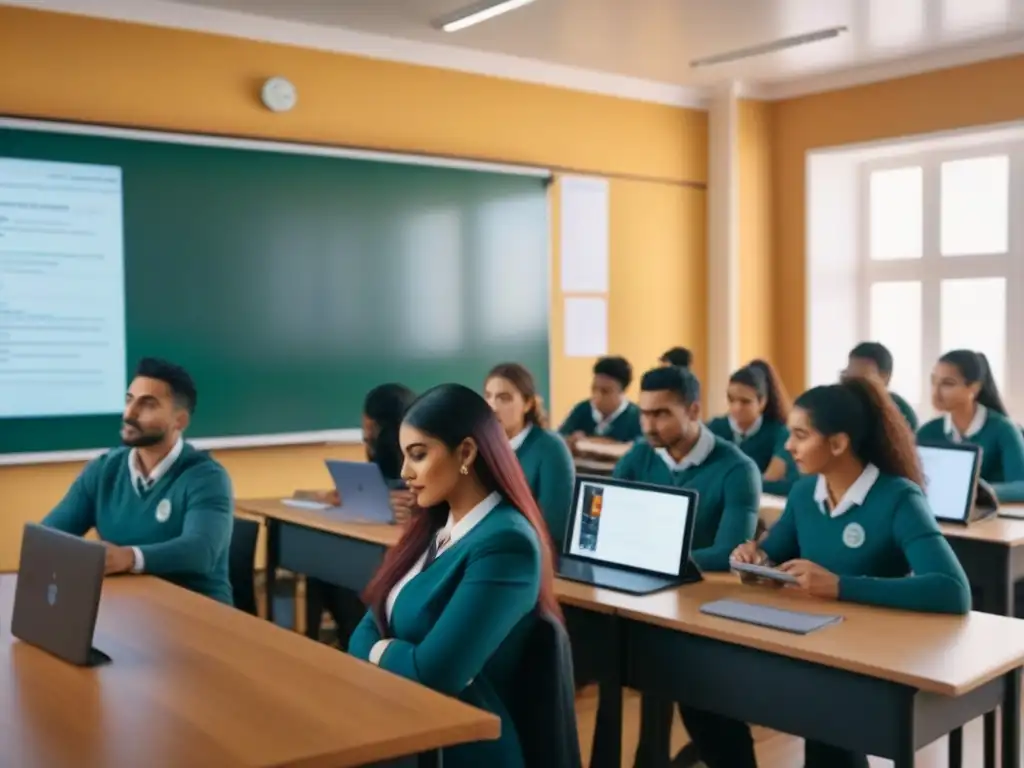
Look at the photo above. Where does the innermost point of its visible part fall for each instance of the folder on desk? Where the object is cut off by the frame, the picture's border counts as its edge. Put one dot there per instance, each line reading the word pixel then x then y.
pixel 766 616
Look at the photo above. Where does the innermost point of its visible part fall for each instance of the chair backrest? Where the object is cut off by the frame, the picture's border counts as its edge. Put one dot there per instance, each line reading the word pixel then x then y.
pixel 242 563
pixel 543 702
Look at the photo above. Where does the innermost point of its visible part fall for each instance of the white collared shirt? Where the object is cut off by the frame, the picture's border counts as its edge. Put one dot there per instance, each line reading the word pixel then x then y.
pixel 698 454
pixel 447 537
pixel 738 435
pixel 147 482
pixel 603 423
pixel 976 425
pixel 517 441
pixel 854 495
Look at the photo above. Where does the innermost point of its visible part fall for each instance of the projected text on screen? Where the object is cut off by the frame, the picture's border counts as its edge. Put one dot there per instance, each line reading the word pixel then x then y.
pixel 62 298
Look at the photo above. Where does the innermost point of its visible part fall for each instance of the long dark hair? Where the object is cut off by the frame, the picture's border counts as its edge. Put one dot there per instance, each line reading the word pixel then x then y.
pixel 385 406
pixel 521 378
pixel 974 367
pixel 761 377
pixel 451 413
pixel 861 409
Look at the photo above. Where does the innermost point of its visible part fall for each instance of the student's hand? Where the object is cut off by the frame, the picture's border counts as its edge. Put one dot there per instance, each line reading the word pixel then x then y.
pixel 119 559
pixel 813 579
pixel 574 438
pixel 402 503
pixel 328 497
pixel 748 552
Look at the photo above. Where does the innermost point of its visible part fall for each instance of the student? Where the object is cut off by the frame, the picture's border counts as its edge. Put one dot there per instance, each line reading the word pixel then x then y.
pixel 545 459
pixel 383 409
pixel 872 359
pixel 678 356
pixel 159 505
pixel 679 451
pixel 454 601
pixel 964 390
pixel 857 528
pixel 756 422
pixel 608 414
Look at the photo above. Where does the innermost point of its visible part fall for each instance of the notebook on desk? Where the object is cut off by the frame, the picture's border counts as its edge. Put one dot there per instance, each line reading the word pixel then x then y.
pixel 797 622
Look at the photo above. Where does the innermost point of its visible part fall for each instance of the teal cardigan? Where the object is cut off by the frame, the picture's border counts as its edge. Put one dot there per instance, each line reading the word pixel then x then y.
pixel 625 428
pixel 549 469
pixel 768 442
pixel 460 627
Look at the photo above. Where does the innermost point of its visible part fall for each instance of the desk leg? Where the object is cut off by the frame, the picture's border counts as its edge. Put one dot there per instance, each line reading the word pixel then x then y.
pixel 904 758
pixel 606 747
pixel 1011 720
pixel 433 759
pixel 956 748
pixel 270 563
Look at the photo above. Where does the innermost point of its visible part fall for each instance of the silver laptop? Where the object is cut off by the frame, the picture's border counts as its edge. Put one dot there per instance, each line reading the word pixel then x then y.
pixel 951 472
pixel 631 537
pixel 57 598
pixel 363 491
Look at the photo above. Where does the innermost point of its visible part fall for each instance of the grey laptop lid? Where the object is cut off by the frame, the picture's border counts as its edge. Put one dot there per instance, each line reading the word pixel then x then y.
pixel 60 578
pixel 363 491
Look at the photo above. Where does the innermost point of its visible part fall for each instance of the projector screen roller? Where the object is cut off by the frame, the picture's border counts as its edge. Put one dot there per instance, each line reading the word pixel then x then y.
pixel 62 303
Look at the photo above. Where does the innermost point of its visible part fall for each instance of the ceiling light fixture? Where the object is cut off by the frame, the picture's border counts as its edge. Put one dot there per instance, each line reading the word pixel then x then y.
pixel 476 13
pixel 776 45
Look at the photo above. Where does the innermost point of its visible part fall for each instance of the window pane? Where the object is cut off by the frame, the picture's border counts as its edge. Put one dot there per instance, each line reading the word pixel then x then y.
pixel 896 211
pixel 974 317
pixel 896 322
pixel 975 206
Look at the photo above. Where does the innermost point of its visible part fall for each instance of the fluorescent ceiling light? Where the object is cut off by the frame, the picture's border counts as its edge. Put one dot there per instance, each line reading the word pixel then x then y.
pixel 477 12
pixel 772 47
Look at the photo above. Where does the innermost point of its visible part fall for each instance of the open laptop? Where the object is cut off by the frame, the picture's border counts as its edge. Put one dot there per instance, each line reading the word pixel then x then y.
pixel 631 537
pixel 363 491
pixel 951 474
pixel 57 598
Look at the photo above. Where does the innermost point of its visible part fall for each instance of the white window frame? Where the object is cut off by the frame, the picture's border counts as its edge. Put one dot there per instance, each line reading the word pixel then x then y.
pixel 932 268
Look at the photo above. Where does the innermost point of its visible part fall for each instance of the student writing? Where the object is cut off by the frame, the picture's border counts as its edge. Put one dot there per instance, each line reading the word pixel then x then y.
pixel 857 528
pixel 511 392
pixel 159 505
pixel 874 360
pixel 455 600
pixel 608 414
pixel 756 422
pixel 973 411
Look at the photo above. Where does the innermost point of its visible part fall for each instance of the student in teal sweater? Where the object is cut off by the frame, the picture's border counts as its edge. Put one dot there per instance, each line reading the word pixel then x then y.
pixel 756 422
pixel 454 602
pixel 678 450
pixel 874 360
pixel 973 411
pixel 857 528
pixel 545 458
pixel 160 506
pixel 608 414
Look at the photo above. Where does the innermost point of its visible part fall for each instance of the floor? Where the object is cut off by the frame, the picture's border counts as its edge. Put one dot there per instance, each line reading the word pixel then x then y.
pixel 774 749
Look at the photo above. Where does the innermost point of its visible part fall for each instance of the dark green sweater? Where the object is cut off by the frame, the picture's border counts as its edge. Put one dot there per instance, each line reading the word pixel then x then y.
pixel 905 409
pixel 186 544
pixel 460 627
pixel 549 469
pixel 1002 452
pixel 625 428
pixel 768 442
pixel 888 551
pixel 729 495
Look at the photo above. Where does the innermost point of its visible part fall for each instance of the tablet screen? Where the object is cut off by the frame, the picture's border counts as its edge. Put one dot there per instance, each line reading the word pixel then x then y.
pixel 949 481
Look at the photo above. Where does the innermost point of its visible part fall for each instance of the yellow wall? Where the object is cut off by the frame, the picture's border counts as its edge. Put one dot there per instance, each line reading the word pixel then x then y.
pixel 974 95
pixel 75 68
pixel 754 153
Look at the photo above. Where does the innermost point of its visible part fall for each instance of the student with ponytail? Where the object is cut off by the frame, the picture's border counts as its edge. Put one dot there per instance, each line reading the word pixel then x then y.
pixel 454 601
pixel 857 528
pixel 965 392
pixel 756 423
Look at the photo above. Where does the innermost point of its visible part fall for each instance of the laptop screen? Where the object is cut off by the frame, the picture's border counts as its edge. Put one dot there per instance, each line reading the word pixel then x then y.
pixel 636 527
pixel 949 479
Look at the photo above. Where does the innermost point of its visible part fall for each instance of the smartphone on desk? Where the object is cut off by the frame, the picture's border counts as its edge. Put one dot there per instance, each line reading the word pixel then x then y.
pixel 763 572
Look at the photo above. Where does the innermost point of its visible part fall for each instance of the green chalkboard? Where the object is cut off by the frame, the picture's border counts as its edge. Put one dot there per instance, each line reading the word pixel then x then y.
pixel 289 284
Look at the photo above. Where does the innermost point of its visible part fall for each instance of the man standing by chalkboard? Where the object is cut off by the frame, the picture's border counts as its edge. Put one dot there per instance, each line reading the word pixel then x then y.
pixel 159 505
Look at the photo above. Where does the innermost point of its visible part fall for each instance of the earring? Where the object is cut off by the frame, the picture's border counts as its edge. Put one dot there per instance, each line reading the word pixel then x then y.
pixel 463 470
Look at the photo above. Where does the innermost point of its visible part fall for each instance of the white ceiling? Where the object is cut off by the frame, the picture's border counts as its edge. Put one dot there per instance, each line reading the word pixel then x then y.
pixel 640 48
pixel 656 39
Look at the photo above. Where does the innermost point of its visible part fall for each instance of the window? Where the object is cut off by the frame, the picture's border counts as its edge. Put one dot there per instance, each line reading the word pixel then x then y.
pixel 895 311
pixel 973 312
pixel 897 212
pixel 975 212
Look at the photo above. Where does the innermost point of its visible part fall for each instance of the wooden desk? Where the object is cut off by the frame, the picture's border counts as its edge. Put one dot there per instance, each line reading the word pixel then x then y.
pixel 195 683
pixel 883 682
